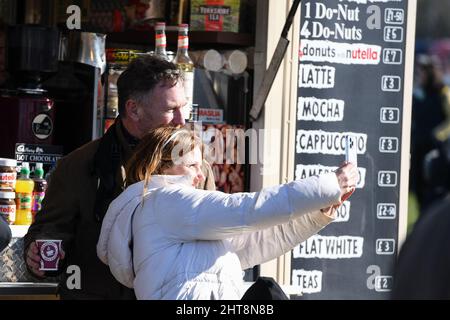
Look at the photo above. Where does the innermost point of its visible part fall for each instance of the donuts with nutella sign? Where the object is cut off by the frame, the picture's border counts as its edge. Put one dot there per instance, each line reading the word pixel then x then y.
pixel 50 252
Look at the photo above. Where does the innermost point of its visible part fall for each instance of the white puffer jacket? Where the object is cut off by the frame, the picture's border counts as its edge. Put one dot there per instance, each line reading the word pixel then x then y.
pixel 194 244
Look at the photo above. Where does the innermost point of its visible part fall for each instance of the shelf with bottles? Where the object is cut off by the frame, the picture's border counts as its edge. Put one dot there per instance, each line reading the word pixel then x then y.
pixel 198 39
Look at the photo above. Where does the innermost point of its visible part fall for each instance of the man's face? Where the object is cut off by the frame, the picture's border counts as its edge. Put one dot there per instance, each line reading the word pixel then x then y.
pixel 165 107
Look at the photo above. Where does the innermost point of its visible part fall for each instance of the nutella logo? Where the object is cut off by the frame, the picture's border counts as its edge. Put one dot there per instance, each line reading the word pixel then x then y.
pixel 8 177
pixel 7 210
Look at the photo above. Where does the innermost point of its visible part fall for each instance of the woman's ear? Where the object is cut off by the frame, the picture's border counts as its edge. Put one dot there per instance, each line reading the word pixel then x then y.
pixel 132 110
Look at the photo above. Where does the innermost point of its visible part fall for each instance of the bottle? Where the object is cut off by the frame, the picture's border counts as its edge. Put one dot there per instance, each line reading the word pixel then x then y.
pixel 185 64
pixel 160 40
pixel 24 194
pixel 40 186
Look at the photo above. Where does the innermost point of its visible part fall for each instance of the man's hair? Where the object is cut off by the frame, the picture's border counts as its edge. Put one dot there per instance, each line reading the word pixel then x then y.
pixel 141 77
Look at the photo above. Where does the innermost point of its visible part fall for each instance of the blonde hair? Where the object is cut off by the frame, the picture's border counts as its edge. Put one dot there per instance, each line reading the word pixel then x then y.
pixel 154 154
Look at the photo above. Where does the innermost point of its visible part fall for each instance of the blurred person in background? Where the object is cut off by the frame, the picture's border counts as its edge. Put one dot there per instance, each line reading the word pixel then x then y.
pixel 430 125
pixel 423 266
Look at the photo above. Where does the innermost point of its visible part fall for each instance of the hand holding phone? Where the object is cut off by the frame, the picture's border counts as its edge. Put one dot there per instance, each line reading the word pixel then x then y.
pixel 351 150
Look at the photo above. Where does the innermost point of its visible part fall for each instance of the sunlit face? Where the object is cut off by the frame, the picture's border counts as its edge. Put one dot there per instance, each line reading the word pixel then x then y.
pixel 165 107
pixel 190 165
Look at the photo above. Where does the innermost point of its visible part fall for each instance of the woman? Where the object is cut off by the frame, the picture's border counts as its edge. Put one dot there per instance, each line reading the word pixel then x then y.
pixel 169 240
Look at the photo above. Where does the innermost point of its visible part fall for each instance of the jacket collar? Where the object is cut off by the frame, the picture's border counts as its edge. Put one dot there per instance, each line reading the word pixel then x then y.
pixel 160 181
pixel 112 153
pixel 126 141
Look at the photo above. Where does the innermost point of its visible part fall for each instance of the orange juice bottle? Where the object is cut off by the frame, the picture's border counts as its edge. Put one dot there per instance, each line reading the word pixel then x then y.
pixel 24 194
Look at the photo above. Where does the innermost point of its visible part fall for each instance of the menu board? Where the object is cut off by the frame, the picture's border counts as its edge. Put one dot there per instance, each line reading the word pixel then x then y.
pixel 351 80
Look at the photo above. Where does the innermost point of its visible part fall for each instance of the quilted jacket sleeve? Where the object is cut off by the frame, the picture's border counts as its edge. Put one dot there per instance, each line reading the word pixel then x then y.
pixel 265 245
pixel 203 215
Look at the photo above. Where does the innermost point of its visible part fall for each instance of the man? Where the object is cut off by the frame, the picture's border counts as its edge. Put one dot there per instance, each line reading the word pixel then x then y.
pixel 151 94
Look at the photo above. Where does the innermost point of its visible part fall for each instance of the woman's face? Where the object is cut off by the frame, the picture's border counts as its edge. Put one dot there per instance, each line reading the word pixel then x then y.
pixel 190 166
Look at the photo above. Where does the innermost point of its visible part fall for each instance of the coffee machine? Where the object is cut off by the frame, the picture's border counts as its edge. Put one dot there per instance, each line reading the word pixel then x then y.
pixel 51 103
pixel 77 89
pixel 27 111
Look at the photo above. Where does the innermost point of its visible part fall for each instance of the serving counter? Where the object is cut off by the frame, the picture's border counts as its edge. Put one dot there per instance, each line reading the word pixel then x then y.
pixel 15 280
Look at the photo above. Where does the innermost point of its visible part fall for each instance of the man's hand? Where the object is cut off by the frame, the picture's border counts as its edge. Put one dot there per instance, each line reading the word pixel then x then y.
pixel 34 259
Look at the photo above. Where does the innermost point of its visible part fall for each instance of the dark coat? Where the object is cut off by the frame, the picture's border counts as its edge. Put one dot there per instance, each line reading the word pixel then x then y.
pixel 79 192
pixel 423 268
pixel 5 234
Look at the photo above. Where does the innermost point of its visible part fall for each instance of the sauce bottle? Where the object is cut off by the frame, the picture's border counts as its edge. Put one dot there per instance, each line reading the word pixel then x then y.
pixel 40 186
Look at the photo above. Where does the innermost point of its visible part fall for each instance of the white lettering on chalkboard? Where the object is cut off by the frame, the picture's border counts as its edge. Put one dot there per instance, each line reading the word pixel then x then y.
pixel 393 34
pixel 394 16
pixel 387 179
pixel 343 212
pixel 384 283
pixel 304 171
pixel 388 145
pixel 306 281
pixel 339 31
pixel 390 115
pixel 391 83
pixel 392 56
pixel 371 1
pixel 385 246
pixel 386 211
pixel 323 110
pixel 342 12
pixel 318 141
pixel 344 53
pixel 343 247
pixel 319 77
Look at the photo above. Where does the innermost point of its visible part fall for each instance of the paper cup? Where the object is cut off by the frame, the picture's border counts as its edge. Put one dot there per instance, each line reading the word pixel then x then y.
pixel 50 253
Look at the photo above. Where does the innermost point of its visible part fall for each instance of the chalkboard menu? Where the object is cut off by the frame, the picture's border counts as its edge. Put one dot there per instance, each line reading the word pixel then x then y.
pixel 351 81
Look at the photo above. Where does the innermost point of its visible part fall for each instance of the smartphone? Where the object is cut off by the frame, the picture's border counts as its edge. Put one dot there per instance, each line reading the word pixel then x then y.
pixel 350 150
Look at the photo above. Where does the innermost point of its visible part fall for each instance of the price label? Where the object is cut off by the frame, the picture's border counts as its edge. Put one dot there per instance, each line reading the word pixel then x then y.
pixel 394 16
pixel 391 83
pixel 390 115
pixel 392 56
pixel 387 179
pixel 384 283
pixel 388 145
pixel 386 211
pixel 385 246
pixel 393 34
